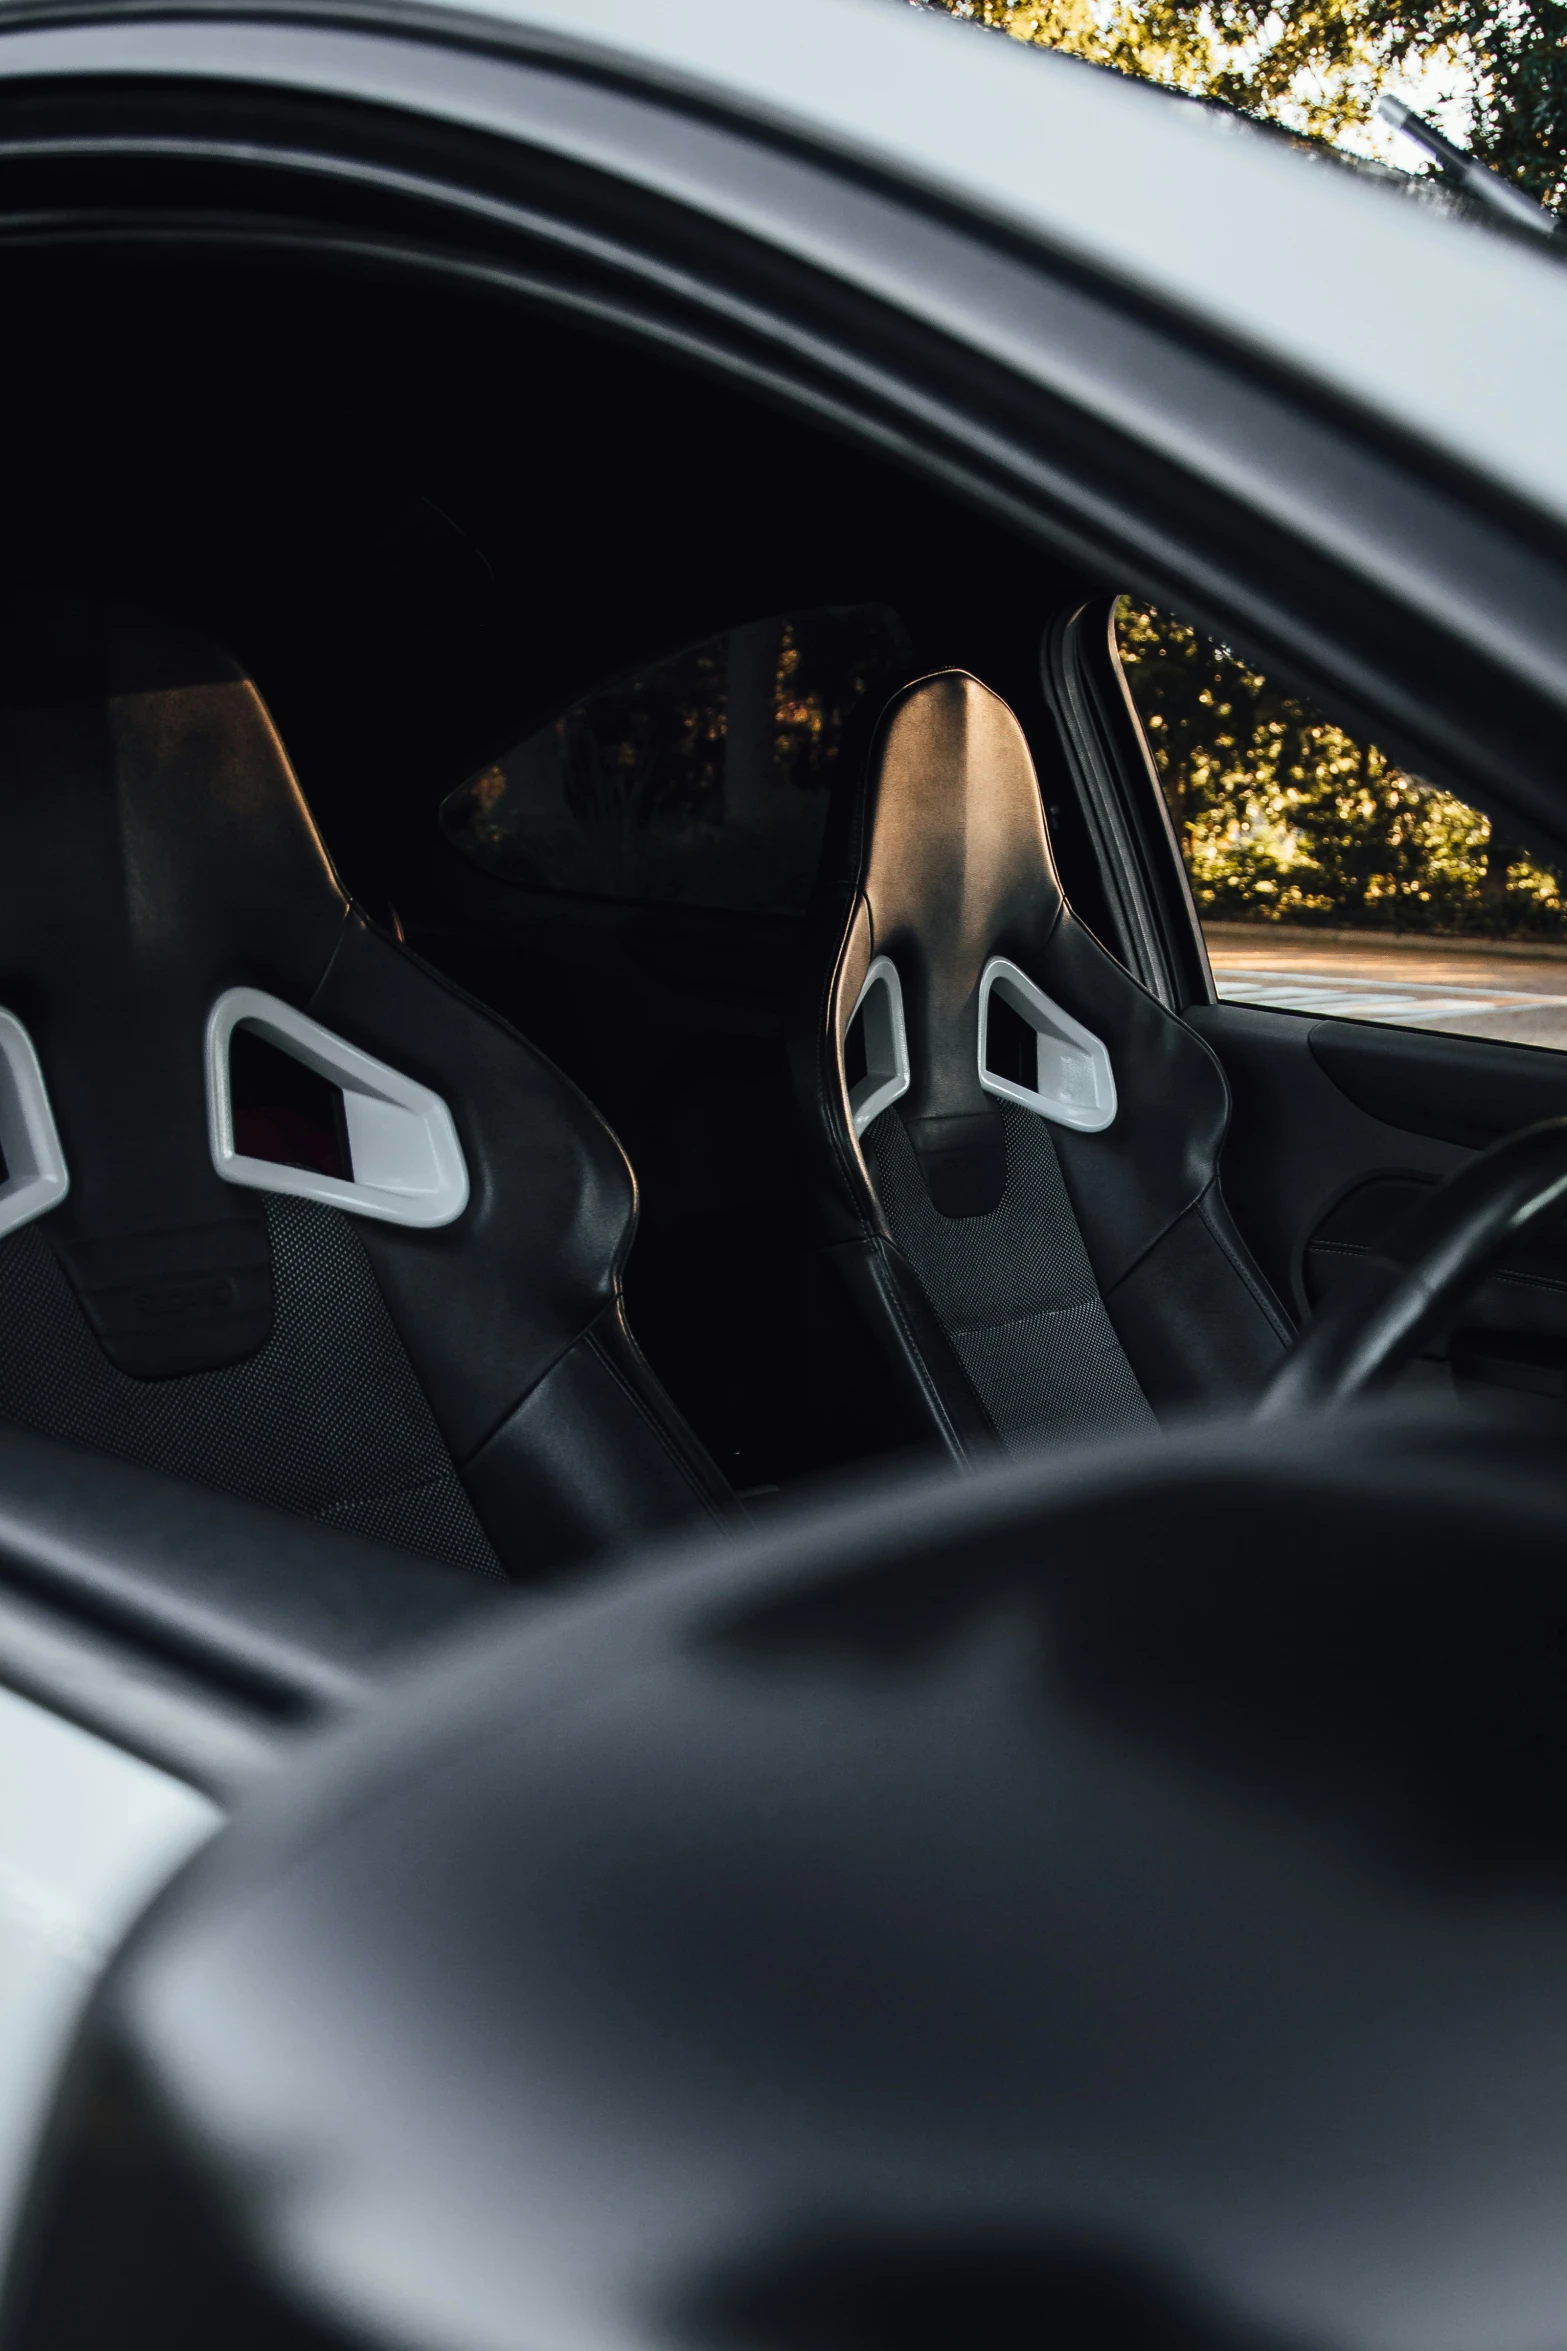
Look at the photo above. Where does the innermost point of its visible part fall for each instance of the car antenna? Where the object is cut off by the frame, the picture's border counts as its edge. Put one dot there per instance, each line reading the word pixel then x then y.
pixel 1477 180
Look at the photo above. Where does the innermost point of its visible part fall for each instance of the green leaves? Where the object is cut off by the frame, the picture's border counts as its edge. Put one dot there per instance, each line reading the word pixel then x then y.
pixel 1281 815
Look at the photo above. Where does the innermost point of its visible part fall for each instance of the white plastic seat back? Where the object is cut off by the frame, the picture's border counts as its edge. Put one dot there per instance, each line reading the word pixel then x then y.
pixel 1073 1082
pixel 879 1010
pixel 406 1163
pixel 36 1178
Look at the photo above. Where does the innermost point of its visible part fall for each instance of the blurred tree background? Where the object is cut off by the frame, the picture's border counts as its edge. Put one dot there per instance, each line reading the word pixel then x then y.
pixel 1283 816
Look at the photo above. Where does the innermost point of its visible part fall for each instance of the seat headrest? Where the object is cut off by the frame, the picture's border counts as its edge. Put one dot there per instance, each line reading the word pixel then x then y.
pixel 954 869
pixel 154 850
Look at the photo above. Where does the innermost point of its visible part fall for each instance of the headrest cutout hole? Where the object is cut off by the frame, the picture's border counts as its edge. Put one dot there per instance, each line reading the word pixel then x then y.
pixel 856 1065
pixel 1011 1045
pixel 284 1113
pixel 1034 1053
pixel 33 1173
pixel 876 1045
pixel 295 1109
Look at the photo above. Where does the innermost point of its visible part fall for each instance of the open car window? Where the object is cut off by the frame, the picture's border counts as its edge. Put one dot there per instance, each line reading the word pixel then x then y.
pixel 1329 880
pixel 703 779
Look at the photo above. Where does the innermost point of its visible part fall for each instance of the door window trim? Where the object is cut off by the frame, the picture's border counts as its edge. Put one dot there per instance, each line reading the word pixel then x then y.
pixel 1159 937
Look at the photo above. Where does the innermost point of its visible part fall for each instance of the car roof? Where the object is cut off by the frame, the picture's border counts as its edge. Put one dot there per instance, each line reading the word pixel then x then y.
pixel 1444 329
pixel 1448 333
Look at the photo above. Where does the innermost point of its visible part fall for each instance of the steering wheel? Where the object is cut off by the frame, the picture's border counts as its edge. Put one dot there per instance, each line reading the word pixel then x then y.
pixel 1382 1315
pixel 1046 1906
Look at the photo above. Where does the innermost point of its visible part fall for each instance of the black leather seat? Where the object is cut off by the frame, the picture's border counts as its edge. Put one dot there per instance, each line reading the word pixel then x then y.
pixel 1021 1276
pixel 470 1391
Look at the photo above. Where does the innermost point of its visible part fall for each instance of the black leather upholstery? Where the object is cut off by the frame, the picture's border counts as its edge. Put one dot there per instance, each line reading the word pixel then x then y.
pixel 154 851
pixel 1105 1905
pixel 1124 1291
pixel 194 1629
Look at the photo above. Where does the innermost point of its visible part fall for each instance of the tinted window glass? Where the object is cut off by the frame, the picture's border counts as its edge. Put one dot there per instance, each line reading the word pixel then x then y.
pixel 704 779
pixel 1328 879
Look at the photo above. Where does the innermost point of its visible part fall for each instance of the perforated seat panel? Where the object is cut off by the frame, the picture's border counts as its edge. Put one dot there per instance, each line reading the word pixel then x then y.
pixel 1014 1289
pixel 326 1419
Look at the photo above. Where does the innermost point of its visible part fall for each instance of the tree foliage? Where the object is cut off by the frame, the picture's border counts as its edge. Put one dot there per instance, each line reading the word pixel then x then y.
pixel 1282 816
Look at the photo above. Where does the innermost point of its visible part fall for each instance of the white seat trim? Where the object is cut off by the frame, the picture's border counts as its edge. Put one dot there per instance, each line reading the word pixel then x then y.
pixel 36 1176
pixel 887 1071
pixel 408 1163
pixel 1076 1085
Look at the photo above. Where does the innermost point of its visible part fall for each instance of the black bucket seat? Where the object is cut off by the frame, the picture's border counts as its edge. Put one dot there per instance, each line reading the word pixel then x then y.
pixel 322 1231
pixel 1015 1146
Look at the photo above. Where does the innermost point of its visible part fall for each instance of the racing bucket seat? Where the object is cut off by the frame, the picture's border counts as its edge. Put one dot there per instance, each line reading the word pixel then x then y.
pixel 1014 1146
pixel 284 1211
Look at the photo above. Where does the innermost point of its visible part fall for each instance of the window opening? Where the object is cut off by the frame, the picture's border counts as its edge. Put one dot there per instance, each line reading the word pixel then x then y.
pixel 1327 878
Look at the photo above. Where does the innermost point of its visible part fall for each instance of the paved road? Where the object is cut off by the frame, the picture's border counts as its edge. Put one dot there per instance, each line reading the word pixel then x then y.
pixel 1455 988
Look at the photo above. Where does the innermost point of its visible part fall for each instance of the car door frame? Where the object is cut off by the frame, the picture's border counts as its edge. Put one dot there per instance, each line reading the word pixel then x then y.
pixel 1106 424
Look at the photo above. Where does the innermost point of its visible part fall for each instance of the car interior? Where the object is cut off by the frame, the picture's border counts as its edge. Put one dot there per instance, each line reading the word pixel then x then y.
pixel 433 727
pixel 693 1652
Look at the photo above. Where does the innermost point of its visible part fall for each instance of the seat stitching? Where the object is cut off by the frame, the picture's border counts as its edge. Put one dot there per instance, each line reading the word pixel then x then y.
pixel 1261 1298
pixel 1519 1281
pixel 1198 1201
pixel 655 1425
pixel 894 1305
pixel 1007 1322
pixel 844 1146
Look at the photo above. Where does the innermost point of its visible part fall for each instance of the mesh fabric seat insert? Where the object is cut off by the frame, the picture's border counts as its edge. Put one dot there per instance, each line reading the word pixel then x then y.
pixel 326 1419
pixel 1014 1289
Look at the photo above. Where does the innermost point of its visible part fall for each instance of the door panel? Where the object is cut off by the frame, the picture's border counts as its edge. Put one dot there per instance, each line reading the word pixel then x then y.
pixel 1338 1127
pixel 1299 1141
pixel 1452 1088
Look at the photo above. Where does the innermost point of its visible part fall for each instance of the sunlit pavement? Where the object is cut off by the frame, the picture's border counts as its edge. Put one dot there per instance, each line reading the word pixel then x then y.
pixel 1465 988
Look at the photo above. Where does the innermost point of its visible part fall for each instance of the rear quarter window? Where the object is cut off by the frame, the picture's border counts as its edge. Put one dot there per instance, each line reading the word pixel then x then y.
pixel 702 780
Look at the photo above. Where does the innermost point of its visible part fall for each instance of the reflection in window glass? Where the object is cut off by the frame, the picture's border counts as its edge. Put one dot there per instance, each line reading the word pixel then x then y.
pixel 1329 880
pixel 704 779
